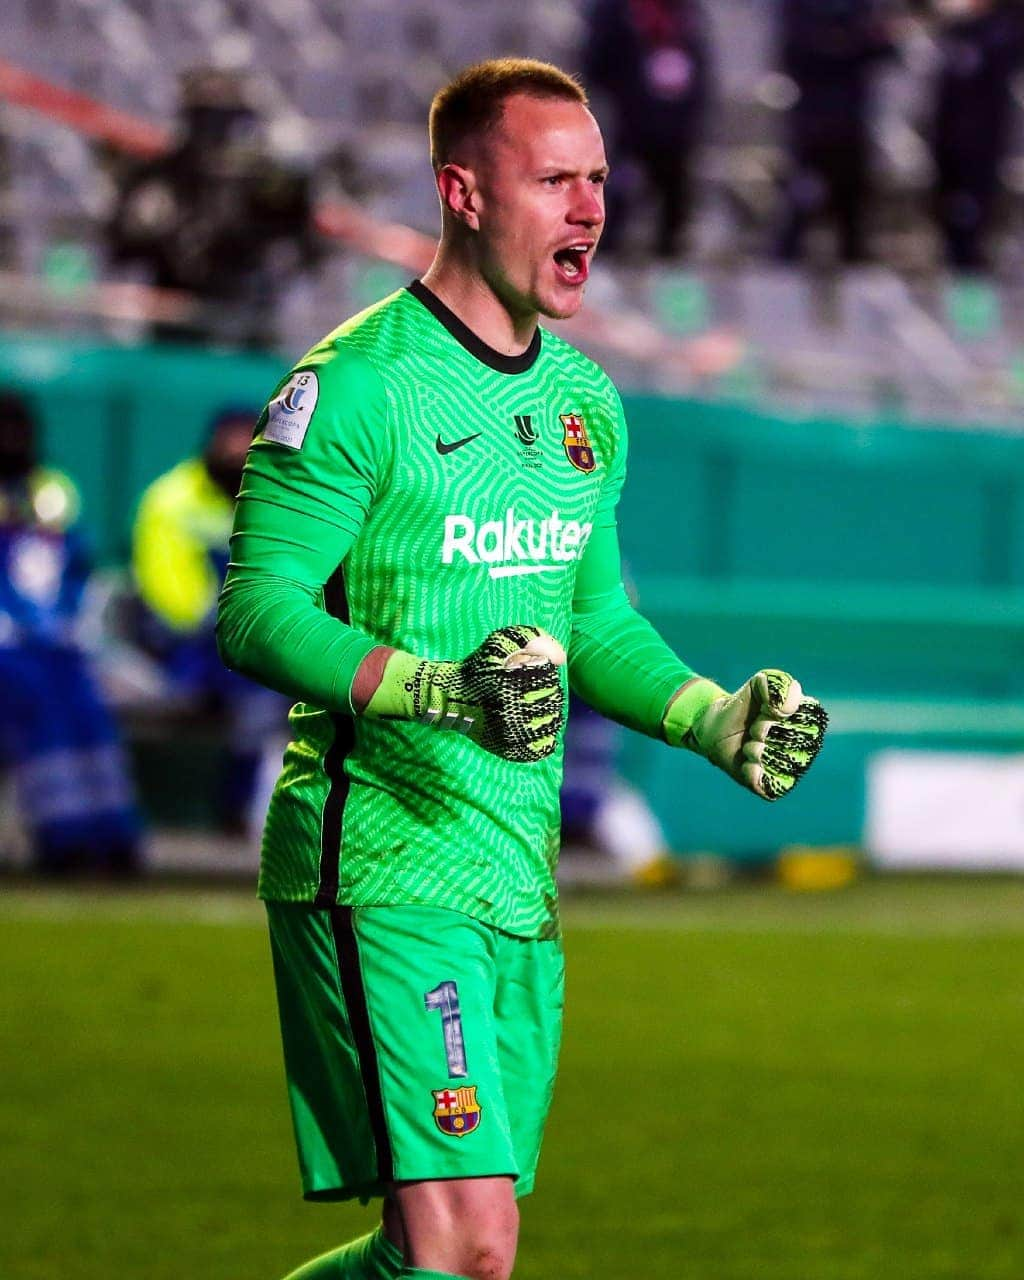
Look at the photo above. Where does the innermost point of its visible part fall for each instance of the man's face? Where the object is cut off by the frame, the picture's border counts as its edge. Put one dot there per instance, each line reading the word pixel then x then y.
pixel 540 198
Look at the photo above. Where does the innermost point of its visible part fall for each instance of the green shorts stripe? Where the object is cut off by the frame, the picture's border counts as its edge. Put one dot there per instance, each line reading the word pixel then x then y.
pixel 334 808
pixel 350 975
pixel 332 822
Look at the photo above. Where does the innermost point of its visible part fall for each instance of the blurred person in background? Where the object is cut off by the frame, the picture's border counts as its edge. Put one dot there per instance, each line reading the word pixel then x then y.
pixel 218 217
pixel 601 811
pixel 981 46
pixel 651 59
pixel 830 50
pixel 179 560
pixel 57 736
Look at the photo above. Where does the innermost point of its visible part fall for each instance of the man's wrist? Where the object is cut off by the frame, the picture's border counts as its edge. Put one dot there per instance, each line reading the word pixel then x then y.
pixel 685 708
pixel 379 689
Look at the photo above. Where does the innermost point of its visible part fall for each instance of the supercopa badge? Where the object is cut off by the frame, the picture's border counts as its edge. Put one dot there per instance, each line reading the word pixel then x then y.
pixel 456 1111
pixel 289 413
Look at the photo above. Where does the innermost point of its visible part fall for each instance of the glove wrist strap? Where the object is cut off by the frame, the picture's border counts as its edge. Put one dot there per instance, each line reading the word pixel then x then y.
pixel 395 697
pixel 686 708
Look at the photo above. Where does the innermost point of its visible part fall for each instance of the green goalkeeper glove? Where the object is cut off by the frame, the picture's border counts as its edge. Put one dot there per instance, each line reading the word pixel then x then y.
pixel 506 695
pixel 765 735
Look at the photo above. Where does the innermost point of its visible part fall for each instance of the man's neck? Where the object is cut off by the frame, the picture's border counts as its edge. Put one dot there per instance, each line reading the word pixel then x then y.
pixel 464 291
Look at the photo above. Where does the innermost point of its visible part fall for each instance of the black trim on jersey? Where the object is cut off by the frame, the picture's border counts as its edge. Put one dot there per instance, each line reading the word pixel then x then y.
pixel 336 596
pixel 336 604
pixel 350 974
pixel 467 338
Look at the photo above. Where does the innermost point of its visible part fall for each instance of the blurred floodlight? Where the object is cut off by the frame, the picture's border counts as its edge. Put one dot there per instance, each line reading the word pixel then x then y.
pixel 51 503
pixel 777 92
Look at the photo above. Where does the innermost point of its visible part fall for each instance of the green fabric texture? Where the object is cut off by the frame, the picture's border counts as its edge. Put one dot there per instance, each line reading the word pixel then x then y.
pixel 298 513
pixel 618 663
pixel 371 1257
pixel 465 1023
pixel 429 496
pixel 288 642
pixel 417 1273
pixel 414 478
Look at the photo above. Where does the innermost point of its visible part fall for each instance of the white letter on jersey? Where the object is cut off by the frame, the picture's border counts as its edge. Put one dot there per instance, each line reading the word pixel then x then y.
pixel 459 532
pixel 570 541
pixel 490 542
pixel 288 414
pixel 514 530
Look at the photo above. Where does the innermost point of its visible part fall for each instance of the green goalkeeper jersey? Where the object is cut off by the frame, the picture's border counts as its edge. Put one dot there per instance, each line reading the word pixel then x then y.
pixel 408 485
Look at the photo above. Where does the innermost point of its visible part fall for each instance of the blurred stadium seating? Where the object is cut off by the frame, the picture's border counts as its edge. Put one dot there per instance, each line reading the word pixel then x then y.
pixel 360 76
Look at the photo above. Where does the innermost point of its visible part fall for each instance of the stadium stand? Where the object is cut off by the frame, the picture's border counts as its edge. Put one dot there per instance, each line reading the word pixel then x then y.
pixel 361 75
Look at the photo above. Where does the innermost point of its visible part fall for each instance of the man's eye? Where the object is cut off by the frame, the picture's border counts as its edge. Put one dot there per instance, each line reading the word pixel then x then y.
pixel 554 180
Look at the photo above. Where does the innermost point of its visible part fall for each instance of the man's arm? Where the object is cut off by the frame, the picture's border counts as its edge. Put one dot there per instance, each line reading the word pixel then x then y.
pixel 307 487
pixel 765 736
pixel 618 663
pixel 310 479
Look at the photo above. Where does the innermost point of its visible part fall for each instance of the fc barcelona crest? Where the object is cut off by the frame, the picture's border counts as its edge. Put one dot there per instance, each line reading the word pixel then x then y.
pixel 577 442
pixel 456 1111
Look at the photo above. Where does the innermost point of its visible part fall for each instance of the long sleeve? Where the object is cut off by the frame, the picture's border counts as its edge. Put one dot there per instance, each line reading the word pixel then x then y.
pixel 618 663
pixel 310 479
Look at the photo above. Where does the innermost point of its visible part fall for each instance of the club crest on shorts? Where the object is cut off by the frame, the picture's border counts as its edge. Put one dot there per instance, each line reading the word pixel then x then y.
pixel 456 1111
pixel 577 442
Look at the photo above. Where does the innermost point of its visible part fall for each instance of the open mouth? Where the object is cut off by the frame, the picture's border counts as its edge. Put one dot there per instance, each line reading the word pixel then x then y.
pixel 572 263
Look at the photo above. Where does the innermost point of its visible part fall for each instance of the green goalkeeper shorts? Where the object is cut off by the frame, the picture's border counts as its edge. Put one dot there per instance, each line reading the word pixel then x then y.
pixel 419 1043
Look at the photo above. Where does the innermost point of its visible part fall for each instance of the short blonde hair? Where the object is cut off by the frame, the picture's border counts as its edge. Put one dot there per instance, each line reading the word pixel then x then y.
pixel 472 103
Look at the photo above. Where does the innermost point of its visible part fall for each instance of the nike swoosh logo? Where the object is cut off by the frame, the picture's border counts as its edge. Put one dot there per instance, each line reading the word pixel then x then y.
pixel 443 448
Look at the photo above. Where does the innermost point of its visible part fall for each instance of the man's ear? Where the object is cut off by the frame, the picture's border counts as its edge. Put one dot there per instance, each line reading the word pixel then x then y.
pixel 460 195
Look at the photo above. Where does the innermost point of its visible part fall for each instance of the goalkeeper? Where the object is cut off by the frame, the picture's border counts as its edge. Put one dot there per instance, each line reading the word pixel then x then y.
pixel 426 528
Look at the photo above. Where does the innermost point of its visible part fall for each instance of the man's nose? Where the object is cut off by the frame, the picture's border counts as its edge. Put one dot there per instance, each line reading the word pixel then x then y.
pixel 588 206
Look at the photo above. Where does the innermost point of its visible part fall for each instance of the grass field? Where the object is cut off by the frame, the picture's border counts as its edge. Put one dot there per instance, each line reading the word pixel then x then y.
pixel 755 1086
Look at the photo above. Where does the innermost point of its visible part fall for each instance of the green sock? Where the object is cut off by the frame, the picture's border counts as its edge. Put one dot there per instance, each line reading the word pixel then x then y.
pixel 371 1257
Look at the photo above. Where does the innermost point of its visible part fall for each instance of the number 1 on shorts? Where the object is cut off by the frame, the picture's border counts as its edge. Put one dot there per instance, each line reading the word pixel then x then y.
pixel 446 999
